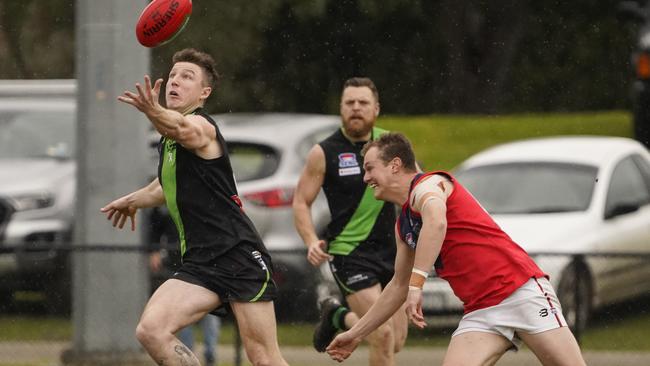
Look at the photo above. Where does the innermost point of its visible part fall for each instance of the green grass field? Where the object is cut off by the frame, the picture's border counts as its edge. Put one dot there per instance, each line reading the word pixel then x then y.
pixel 442 142
pixel 624 333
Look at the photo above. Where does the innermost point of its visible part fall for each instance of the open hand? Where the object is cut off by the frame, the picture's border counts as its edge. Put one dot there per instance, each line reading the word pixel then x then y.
pixel 414 308
pixel 146 100
pixel 119 211
pixel 342 346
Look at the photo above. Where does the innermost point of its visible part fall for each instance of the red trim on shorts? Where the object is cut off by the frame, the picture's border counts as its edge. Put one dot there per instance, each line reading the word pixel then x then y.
pixel 553 310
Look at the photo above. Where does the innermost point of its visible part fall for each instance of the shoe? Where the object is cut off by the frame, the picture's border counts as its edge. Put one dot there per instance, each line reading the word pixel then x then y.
pixel 325 330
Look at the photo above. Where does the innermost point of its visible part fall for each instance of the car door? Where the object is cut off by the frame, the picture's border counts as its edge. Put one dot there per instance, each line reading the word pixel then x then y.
pixel 626 229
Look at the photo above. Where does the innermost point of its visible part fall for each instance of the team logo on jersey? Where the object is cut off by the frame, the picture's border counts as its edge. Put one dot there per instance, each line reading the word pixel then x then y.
pixel 347 160
pixel 543 313
pixel 170 148
pixel 348 164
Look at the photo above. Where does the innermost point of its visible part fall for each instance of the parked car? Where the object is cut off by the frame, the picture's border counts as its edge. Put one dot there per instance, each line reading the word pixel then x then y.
pixel 587 195
pixel 37 183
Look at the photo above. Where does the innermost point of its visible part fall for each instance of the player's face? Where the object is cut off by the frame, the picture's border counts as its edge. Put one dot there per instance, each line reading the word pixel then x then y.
pixel 185 90
pixel 359 110
pixel 377 173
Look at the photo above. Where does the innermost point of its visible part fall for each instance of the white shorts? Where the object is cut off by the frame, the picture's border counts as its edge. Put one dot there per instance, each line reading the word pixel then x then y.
pixel 532 308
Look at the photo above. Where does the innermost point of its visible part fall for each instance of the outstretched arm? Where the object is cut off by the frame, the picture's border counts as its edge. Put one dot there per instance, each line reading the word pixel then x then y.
pixel 309 184
pixel 390 300
pixel 192 131
pixel 126 206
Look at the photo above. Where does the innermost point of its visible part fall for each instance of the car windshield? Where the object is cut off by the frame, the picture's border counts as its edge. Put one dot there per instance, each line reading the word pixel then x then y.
pixel 37 135
pixel 532 187
pixel 252 161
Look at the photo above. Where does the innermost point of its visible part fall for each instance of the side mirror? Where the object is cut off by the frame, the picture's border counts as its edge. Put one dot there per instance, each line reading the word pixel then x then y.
pixel 630 10
pixel 621 209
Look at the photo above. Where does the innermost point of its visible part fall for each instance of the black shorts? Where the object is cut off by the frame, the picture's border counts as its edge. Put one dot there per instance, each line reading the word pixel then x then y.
pixel 242 274
pixel 354 273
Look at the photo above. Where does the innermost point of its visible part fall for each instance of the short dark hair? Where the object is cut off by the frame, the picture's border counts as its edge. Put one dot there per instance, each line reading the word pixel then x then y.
pixel 361 82
pixel 393 145
pixel 203 60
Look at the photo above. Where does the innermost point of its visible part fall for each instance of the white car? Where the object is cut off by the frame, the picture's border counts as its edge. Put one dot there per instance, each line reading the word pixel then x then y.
pixel 575 195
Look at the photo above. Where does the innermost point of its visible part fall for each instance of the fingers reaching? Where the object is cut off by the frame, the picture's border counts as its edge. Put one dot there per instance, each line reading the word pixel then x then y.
pixel 340 349
pixel 146 98
pixel 417 318
pixel 118 214
pixel 414 308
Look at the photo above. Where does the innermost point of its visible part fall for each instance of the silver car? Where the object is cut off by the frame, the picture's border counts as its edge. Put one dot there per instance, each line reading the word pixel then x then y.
pixel 37 185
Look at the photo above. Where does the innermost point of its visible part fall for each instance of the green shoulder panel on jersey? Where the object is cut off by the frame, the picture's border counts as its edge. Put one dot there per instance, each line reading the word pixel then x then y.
pixel 169 188
pixel 362 221
pixel 376 132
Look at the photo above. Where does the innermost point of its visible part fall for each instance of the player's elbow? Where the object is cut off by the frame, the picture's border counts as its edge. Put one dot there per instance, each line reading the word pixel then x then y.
pixel 440 226
pixel 300 204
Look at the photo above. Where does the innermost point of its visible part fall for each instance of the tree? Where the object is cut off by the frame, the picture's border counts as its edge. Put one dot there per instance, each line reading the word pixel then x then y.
pixel 39 38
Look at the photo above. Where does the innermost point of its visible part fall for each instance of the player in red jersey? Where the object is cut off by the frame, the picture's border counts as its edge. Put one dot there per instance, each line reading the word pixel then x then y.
pixel 507 298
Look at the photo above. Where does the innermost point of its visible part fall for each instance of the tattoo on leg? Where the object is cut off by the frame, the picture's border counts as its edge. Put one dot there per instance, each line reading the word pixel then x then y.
pixel 185 356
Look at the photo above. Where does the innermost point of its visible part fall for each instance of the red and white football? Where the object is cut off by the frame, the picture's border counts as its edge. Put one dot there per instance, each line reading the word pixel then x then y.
pixel 161 21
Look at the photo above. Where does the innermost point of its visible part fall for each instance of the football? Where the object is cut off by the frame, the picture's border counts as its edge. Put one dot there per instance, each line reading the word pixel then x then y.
pixel 161 21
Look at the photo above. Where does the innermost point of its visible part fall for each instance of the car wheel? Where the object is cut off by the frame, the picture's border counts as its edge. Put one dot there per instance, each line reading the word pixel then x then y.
pixel 574 293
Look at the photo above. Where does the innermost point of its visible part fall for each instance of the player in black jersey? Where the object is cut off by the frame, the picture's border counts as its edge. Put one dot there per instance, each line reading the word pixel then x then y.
pixel 224 259
pixel 360 240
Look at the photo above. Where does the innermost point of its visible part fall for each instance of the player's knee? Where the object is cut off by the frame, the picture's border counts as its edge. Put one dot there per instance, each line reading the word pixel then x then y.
pixel 382 337
pixel 143 334
pixel 261 362
pixel 259 358
pixel 400 339
pixel 398 345
pixel 147 332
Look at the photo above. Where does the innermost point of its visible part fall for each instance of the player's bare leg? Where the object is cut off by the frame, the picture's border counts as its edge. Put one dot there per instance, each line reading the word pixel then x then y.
pixel 400 328
pixel 476 349
pixel 383 340
pixel 555 347
pixel 164 315
pixel 258 330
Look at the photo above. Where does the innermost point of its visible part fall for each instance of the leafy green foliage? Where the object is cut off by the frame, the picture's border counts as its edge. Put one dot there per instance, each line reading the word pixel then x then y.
pixel 469 56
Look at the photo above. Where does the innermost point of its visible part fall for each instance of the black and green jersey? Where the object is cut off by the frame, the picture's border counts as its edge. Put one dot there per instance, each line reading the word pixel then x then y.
pixel 360 223
pixel 202 200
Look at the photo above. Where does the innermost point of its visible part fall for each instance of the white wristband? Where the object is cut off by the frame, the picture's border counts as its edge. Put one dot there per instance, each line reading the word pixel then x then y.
pixel 414 288
pixel 420 272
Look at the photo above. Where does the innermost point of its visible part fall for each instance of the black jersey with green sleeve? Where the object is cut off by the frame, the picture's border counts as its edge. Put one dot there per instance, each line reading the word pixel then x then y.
pixel 202 199
pixel 359 222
